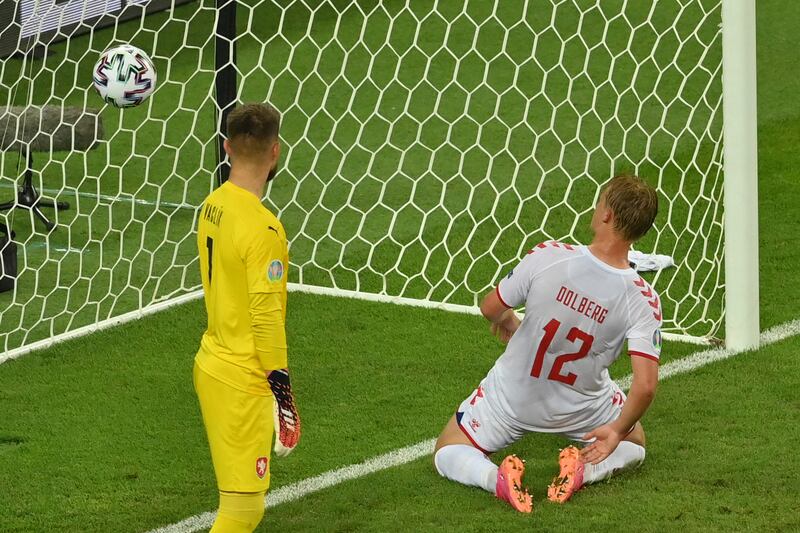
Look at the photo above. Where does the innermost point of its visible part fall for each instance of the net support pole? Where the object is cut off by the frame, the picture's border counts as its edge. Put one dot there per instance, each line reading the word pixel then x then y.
pixel 741 174
pixel 225 77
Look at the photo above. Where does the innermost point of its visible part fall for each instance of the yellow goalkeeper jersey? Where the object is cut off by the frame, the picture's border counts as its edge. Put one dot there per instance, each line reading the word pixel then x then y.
pixel 243 265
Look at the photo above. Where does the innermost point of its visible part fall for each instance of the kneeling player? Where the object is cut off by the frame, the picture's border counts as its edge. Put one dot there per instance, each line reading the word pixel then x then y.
pixel 240 373
pixel 582 303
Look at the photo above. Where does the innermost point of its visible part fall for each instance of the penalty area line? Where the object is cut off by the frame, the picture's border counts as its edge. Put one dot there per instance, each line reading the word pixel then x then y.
pixel 401 456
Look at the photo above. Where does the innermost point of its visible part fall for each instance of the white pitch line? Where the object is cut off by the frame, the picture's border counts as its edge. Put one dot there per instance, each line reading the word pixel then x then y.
pixel 121 197
pixel 295 491
pixel 698 359
pixel 100 325
pixel 52 247
pixel 401 456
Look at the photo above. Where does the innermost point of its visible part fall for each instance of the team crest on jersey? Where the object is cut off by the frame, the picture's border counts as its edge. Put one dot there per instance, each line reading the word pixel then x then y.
pixel 275 271
pixel 474 424
pixel 261 467
pixel 657 340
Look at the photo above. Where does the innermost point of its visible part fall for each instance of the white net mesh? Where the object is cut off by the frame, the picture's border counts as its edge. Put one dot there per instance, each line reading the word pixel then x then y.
pixel 127 239
pixel 428 145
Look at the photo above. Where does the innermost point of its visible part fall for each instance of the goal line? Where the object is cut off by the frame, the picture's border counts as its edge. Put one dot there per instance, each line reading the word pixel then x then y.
pixel 293 287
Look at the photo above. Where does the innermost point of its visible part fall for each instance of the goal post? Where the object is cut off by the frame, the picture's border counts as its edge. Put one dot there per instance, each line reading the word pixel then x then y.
pixel 427 146
pixel 224 76
pixel 741 174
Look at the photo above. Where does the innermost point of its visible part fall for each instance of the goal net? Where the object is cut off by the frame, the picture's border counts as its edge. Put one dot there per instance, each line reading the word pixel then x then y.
pixel 427 146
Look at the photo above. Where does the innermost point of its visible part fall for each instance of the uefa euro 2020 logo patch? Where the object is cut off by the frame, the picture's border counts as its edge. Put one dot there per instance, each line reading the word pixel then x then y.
pixel 275 271
pixel 657 340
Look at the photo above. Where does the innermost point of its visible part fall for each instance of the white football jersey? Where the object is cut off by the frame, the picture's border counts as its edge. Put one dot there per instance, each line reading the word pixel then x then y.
pixel 553 375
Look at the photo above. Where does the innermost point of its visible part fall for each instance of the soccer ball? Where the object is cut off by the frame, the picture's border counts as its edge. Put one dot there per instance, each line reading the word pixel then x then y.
pixel 124 76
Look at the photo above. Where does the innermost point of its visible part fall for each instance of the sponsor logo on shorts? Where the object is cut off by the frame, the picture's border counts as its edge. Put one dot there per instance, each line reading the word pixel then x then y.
pixel 261 467
pixel 474 424
pixel 275 271
pixel 657 340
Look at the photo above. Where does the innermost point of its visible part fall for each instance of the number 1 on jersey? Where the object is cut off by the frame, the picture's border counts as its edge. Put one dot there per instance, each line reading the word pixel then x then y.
pixel 210 246
pixel 555 374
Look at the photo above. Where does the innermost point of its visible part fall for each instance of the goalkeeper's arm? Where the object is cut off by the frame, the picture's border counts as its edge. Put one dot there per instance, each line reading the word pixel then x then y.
pixel 269 336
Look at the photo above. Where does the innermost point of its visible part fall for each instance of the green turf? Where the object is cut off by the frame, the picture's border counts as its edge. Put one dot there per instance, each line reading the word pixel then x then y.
pixel 710 467
pixel 103 433
pixel 416 163
pixel 111 438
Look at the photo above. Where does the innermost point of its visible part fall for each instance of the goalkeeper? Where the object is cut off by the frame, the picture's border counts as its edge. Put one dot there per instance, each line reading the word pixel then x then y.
pixel 240 372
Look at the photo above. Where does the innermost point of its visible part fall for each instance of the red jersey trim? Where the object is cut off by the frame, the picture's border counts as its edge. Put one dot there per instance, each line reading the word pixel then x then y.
pixel 645 355
pixel 647 292
pixel 497 290
pixel 478 446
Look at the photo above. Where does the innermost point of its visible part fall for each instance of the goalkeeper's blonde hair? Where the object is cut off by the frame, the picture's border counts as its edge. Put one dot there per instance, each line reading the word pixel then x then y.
pixel 634 204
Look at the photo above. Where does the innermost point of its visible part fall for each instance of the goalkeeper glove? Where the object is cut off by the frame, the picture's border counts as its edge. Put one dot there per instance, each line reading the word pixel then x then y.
pixel 285 417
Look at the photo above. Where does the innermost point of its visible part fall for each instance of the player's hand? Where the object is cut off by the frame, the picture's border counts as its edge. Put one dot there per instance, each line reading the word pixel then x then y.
pixel 505 328
pixel 285 416
pixel 606 441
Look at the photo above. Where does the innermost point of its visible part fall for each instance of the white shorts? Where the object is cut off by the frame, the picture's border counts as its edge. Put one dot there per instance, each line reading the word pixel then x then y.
pixel 490 430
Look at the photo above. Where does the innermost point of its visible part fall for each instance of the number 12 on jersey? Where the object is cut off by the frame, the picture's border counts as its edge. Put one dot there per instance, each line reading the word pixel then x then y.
pixel 573 336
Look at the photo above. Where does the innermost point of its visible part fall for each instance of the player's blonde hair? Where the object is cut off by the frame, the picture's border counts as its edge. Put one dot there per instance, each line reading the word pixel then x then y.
pixel 253 128
pixel 634 204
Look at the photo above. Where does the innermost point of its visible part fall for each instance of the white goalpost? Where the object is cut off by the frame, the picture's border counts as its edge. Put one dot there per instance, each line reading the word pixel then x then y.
pixel 741 174
pixel 427 146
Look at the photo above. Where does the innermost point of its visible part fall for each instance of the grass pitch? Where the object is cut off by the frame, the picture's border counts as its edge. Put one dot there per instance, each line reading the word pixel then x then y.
pixel 108 436
pixel 104 433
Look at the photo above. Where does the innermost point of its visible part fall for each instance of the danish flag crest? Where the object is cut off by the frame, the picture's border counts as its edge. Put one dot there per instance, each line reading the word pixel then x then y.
pixel 261 467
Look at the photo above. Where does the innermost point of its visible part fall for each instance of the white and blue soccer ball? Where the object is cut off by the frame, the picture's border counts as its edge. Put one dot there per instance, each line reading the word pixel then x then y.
pixel 124 76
